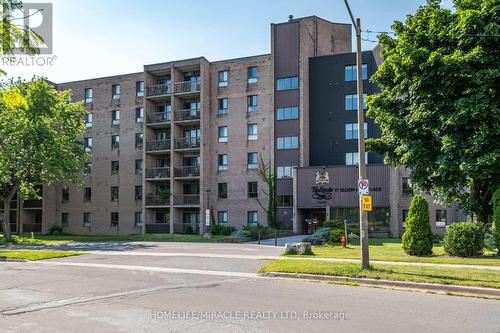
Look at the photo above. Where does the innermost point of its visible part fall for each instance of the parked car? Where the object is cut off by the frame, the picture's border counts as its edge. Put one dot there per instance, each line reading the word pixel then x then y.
pixel 319 237
pixel 239 236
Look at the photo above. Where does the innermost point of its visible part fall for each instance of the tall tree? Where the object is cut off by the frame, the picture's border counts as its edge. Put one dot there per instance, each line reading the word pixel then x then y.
pixel 438 108
pixel 266 172
pixel 40 140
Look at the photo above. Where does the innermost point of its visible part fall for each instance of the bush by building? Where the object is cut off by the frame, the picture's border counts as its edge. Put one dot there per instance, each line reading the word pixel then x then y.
pixel 417 239
pixel 465 239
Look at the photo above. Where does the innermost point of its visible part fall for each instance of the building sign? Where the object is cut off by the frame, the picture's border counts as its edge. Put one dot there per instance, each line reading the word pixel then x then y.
pixel 366 203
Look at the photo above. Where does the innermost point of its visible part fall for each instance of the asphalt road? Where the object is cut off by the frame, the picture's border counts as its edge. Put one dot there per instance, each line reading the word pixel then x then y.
pixel 154 293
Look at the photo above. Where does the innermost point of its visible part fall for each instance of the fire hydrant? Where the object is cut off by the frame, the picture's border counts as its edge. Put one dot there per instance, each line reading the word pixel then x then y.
pixel 343 240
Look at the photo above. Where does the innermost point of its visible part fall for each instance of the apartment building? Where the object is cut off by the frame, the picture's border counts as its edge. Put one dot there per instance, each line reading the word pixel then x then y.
pixel 176 147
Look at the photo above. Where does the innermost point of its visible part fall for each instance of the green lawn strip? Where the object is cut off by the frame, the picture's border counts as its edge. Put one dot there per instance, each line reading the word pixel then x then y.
pixel 443 275
pixel 44 239
pixel 36 254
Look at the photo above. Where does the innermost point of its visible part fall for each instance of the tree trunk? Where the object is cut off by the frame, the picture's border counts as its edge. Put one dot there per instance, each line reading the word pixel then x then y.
pixel 6 212
pixel 482 195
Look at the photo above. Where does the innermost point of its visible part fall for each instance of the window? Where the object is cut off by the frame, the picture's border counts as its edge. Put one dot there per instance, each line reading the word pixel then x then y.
pixel 351 131
pixel 115 167
pixel 138 167
pixel 87 220
pixel 223 78
pixel 88 95
pixel 139 140
pixel 406 186
pixel 139 88
pixel 252 160
pixel 351 102
pixel 283 172
pixel 222 190
pixel 114 219
pixel 65 195
pixel 284 200
pixel 87 144
pixel 115 193
pixel 223 162
pixel 351 72
pixel 88 120
pixel 285 113
pixel 252 132
pixel 252 103
pixel 222 133
pixel 252 218
pixel 138 192
pixel 288 83
pixel 87 170
pixel 252 190
pixel 64 219
pixel 139 115
pixel 288 142
pixel 115 142
pixel 87 194
pixel 115 117
pixel 404 215
pixel 353 158
pixel 223 105
pixel 441 215
pixel 252 74
pixel 222 217
pixel 115 91
pixel 138 219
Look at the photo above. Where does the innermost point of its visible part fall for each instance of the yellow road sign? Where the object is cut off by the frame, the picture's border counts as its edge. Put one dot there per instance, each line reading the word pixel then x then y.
pixel 366 203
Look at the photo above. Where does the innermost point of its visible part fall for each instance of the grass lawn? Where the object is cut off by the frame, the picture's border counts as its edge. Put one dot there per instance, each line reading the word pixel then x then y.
pixel 390 249
pixel 36 254
pixel 444 275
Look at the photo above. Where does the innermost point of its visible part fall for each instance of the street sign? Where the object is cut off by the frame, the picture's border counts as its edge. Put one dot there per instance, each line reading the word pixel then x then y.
pixel 363 187
pixel 366 203
pixel 207 217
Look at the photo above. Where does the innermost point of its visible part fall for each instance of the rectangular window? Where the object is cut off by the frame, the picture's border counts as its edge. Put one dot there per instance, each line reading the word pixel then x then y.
pixel 288 142
pixel 87 194
pixel 252 132
pixel 222 190
pixel 406 186
pixel 115 117
pixel 252 103
pixel 115 167
pixel 284 172
pixel 138 192
pixel 139 115
pixel 351 102
pixel 404 215
pixel 115 91
pixel 252 74
pixel 222 133
pixel 222 217
pixel 353 158
pixel 139 140
pixel 286 113
pixel 87 220
pixel 114 219
pixel 138 167
pixel 223 162
pixel 252 190
pixel 441 215
pixel 138 219
pixel 64 219
pixel 284 200
pixel 115 193
pixel 88 120
pixel 65 195
pixel 223 105
pixel 87 170
pixel 115 142
pixel 87 144
pixel 351 72
pixel 351 131
pixel 252 160
pixel 223 78
pixel 88 95
pixel 139 88
pixel 252 218
pixel 287 83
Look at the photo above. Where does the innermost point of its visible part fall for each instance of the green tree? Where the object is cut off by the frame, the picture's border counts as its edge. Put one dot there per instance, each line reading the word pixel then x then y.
pixel 266 172
pixel 40 140
pixel 417 239
pixel 438 107
pixel 496 218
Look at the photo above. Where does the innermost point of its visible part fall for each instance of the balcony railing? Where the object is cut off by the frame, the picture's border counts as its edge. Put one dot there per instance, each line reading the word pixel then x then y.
pixel 159 89
pixel 158 173
pixel 187 143
pixel 187 171
pixel 32 227
pixel 158 145
pixel 32 203
pixel 159 117
pixel 156 200
pixel 187 199
pixel 188 114
pixel 187 86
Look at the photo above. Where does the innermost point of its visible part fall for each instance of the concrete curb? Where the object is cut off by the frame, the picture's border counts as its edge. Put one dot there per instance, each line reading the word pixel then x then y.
pixel 442 288
pixel 13 260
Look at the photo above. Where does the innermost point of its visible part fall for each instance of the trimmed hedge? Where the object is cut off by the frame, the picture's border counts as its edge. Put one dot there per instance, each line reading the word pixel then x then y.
pixel 335 236
pixel 496 218
pixel 465 239
pixel 417 239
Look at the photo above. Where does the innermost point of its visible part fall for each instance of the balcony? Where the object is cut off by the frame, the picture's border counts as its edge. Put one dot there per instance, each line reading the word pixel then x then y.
pixel 187 200
pixel 158 173
pixel 158 146
pixel 188 114
pixel 159 118
pixel 159 90
pixel 32 204
pixel 187 143
pixel 153 200
pixel 187 172
pixel 187 87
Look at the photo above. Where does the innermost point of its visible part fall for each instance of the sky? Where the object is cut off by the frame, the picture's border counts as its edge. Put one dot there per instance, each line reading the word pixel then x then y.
pixel 95 38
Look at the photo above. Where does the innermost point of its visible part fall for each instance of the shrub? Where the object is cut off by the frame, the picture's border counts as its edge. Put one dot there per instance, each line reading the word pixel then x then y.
pixel 417 239
pixel 335 236
pixel 221 229
pixel 55 230
pixel 465 239
pixel 333 224
pixel 496 218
